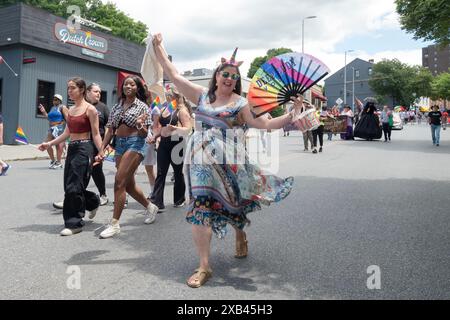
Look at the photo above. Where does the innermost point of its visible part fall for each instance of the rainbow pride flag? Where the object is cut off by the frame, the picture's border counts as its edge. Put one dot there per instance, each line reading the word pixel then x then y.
pixel 110 155
pixel 20 136
pixel 156 103
pixel 172 106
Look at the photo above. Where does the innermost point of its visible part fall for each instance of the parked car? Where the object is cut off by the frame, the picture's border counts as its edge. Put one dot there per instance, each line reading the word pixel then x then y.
pixel 398 125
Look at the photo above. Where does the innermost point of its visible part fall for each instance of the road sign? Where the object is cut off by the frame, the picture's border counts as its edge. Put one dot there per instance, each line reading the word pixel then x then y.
pixel 339 101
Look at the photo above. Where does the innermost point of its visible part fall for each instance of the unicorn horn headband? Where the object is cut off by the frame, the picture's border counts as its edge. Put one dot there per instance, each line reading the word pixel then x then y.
pixel 232 61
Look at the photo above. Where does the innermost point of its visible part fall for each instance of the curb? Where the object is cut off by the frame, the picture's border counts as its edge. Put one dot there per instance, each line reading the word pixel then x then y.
pixel 26 159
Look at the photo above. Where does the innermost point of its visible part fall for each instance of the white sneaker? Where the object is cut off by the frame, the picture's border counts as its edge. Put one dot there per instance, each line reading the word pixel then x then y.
pixel 58 205
pixel 150 213
pixel 70 232
pixel 103 200
pixel 93 213
pixel 110 231
pixel 52 163
pixel 57 165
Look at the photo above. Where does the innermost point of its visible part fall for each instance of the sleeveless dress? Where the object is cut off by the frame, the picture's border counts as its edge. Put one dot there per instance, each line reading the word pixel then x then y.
pixel 224 186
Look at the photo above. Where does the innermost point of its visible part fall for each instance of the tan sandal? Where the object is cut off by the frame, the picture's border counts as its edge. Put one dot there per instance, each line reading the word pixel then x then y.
pixel 201 276
pixel 241 248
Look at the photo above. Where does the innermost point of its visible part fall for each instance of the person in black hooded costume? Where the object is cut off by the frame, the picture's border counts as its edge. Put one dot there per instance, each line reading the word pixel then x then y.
pixel 368 126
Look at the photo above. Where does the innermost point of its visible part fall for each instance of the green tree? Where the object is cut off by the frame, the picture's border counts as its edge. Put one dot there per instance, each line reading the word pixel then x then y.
pixel 441 86
pixel 96 11
pixel 420 84
pixel 426 19
pixel 403 82
pixel 259 61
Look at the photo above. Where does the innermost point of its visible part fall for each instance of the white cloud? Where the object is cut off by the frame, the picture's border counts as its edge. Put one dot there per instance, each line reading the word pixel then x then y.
pixel 198 33
pixel 337 60
pixel 411 57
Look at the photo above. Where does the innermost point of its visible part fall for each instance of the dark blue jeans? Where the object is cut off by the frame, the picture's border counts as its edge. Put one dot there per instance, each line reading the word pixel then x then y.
pixel 435 133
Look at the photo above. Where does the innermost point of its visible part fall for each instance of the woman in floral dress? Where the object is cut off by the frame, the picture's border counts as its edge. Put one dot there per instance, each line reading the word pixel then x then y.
pixel 224 186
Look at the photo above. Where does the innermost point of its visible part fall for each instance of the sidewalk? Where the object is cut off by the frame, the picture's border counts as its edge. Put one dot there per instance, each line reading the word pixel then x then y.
pixel 21 152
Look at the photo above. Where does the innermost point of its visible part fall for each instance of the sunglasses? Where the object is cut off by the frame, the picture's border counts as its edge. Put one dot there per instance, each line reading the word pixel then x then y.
pixel 226 75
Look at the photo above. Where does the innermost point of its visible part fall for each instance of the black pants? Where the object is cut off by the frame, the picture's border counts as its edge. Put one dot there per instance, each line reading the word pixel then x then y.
pixel 98 176
pixel 164 160
pixel 387 131
pixel 318 133
pixel 77 172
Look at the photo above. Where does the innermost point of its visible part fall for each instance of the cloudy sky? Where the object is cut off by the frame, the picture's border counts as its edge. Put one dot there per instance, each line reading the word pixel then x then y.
pixel 198 32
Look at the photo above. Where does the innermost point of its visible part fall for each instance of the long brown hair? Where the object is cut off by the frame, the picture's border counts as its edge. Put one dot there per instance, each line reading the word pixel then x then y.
pixel 80 83
pixel 213 83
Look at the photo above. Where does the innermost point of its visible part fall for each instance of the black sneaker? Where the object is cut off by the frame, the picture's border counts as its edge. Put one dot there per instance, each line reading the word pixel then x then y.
pixel 320 150
pixel 179 205
pixel 314 151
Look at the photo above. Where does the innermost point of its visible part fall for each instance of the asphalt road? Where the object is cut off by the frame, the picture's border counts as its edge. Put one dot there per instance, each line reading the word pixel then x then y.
pixel 358 204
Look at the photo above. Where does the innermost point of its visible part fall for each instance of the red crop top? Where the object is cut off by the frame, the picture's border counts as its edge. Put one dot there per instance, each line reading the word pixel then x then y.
pixel 79 124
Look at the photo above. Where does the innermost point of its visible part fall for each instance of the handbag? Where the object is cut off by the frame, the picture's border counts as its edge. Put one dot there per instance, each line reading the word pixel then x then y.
pixel 391 120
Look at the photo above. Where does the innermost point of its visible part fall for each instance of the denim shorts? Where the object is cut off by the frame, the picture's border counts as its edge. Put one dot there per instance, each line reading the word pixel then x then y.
pixel 57 130
pixel 133 143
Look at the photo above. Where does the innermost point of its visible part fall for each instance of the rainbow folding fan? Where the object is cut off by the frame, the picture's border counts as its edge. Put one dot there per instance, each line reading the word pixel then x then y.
pixel 283 77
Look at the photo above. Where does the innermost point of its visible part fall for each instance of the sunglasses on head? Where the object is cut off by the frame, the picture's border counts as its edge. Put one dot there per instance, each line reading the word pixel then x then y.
pixel 226 75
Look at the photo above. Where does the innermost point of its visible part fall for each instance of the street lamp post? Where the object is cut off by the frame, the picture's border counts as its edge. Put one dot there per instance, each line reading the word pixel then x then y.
pixel 345 76
pixel 303 31
pixel 353 90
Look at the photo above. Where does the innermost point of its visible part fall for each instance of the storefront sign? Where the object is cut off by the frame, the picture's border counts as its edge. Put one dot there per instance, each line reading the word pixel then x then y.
pixel 85 39
pixel 93 54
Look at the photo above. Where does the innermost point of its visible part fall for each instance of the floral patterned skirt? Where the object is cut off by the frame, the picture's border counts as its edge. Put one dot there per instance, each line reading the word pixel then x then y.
pixel 223 191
